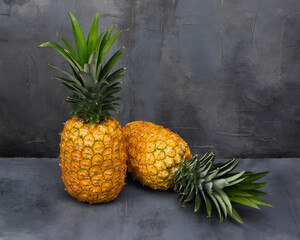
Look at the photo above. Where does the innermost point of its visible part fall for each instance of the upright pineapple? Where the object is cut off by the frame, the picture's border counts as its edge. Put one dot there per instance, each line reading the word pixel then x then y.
pixel 160 159
pixel 92 149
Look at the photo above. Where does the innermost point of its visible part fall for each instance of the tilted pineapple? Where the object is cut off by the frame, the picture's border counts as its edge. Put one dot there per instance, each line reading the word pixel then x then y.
pixel 154 153
pixel 160 159
pixel 92 149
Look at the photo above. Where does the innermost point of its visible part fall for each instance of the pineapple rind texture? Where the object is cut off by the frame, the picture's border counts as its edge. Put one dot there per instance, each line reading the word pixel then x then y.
pixel 154 153
pixel 93 160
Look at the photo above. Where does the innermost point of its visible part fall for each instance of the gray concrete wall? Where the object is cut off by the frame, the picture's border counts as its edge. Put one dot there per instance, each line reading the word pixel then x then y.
pixel 224 74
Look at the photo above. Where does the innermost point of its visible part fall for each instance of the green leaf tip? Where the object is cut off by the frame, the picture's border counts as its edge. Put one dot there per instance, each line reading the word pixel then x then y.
pixel 46 44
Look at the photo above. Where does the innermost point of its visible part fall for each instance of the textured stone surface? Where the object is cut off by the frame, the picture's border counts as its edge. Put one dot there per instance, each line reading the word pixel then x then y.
pixel 223 74
pixel 34 206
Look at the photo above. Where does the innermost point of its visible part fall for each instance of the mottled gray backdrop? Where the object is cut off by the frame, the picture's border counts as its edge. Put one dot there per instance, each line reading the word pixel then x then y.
pixel 224 74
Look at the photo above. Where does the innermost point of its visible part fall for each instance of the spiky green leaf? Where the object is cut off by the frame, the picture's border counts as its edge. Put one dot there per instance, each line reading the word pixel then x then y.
pixel 244 201
pixel 93 35
pixel 236 216
pixel 68 46
pixel 259 201
pixel 256 176
pixel 80 40
pixel 197 202
pixel 106 47
pixel 68 57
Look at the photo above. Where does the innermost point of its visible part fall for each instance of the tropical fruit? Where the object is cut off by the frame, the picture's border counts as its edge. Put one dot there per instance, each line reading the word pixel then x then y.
pixel 154 153
pixel 93 160
pixel 92 149
pixel 160 159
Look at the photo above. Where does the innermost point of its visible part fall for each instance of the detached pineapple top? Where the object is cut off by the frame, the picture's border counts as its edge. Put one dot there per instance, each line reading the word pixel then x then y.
pixel 91 82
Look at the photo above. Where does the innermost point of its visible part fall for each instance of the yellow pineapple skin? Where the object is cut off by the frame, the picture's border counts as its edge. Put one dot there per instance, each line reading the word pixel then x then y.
pixel 93 160
pixel 154 153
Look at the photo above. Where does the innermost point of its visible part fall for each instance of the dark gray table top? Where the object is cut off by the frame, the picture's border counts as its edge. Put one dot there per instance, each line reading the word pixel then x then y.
pixel 34 205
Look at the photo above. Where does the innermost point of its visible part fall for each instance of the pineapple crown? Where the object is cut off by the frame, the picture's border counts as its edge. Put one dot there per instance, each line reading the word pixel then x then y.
pixel 215 186
pixel 91 82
